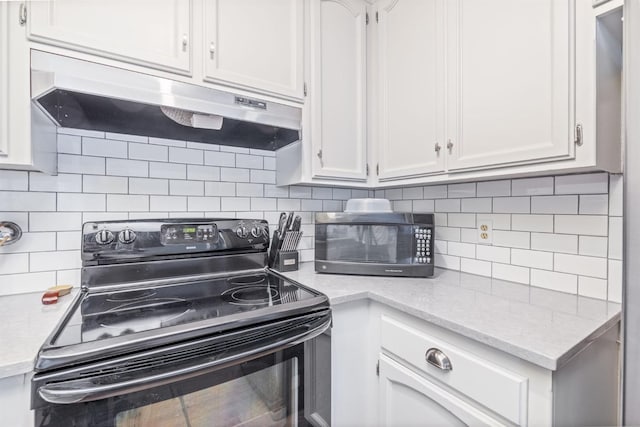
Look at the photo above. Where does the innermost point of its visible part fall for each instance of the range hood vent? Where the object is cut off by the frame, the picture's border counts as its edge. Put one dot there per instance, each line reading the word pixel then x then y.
pixel 85 95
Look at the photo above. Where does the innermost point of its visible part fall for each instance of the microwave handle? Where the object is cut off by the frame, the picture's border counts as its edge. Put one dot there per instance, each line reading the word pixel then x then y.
pixel 82 390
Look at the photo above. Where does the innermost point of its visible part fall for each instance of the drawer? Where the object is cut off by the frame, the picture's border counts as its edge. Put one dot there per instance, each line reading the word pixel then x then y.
pixel 502 391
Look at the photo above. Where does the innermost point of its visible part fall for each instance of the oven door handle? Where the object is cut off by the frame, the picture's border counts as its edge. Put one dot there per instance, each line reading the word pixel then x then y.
pixel 84 390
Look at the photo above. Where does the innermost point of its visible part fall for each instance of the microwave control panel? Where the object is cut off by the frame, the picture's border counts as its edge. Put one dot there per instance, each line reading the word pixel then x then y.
pixel 423 238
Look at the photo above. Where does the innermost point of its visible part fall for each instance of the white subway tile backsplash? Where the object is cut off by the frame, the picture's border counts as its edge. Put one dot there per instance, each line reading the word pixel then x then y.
pixel 203 204
pixel 565 243
pixel 168 203
pixel 26 282
pixel 593 183
pixel 167 170
pixel 167 142
pixel 615 195
pixel 68 276
pixel 264 204
pixel 468 235
pixel 512 239
pixel 186 188
pixel 330 206
pixel 102 184
pixel 322 193
pixel 104 148
pixel 590 225
pixel 532 186
pixel 125 137
pixel 186 155
pixel 81 202
pixel 127 203
pixel 555 281
pixel 219 189
pixel 412 193
pixel 511 273
pixel 55 221
pixel 424 206
pixel 263 176
pixel 594 204
pixel 448 205
pixel 593 246
pixel 69 144
pixel 582 265
pixel 151 152
pixel 512 205
pixel 440 246
pixel 554 205
pixel 68 240
pixel 493 253
pixel 462 220
pixel 270 163
pixel 68 183
pixel 483 205
pixel 435 192
pixel 494 188
pixel 215 158
pixel 81 132
pixel 592 287
pixel 14 180
pixel 540 223
pixel 119 167
pixel 534 259
pixel 338 194
pixel 31 242
pixel 203 146
pixel 231 149
pixel 448 233
pixel 235 203
pixel 68 163
pixel 466 250
pixel 106 216
pixel 447 261
pixel 393 194
pixel 499 221
pixel 148 186
pixel 14 263
pixel 312 205
pixel 22 201
pixel 203 173
pixel 300 192
pixel 249 161
pixel 461 190
pixel 58 260
pixel 250 190
pixel 615 238
pixel 474 266
pixel 614 289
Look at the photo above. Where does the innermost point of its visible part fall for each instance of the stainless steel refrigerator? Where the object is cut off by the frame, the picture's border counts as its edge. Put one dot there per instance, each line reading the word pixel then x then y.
pixel 631 259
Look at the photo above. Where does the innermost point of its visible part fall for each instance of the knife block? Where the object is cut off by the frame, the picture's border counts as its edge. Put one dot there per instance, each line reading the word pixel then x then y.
pixel 287 261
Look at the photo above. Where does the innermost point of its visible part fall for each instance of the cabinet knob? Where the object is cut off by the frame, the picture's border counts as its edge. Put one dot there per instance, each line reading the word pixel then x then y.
pixel 449 146
pixel 212 50
pixel 438 359
pixel 185 42
pixel 438 148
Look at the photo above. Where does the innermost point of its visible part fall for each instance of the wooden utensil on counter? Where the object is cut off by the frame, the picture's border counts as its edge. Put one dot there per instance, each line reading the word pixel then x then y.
pixel 52 294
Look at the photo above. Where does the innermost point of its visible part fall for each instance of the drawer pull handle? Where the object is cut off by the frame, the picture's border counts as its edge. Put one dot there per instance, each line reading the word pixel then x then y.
pixel 438 359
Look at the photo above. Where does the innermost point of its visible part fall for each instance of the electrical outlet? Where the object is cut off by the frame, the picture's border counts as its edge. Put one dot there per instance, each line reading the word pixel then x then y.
pixel 485 232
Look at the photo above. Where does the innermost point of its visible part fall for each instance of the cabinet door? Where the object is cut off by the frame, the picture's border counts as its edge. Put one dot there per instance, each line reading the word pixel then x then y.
pixel 510 92
pixel 255 44
pixel 410 87
pixel 337 90
pixel 154 33
pixel 4 80
pixel 407 399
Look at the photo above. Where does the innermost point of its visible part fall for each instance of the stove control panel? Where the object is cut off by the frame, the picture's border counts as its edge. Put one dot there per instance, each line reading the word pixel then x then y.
pixel 137 239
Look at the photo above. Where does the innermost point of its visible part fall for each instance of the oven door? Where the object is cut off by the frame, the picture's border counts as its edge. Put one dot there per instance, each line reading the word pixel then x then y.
pixel 230 381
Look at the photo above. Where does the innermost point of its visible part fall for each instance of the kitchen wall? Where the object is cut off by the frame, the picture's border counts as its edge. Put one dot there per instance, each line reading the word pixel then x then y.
pixel 562 233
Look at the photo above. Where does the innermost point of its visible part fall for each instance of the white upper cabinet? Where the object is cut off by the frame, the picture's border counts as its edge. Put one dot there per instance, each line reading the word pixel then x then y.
pixel 153 33
pixel 338 89
pixel 4 80
pixel 255 44
pixel 510 81
pixel 410 106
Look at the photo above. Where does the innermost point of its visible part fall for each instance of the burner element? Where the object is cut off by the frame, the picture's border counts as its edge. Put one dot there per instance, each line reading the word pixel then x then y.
pixel 252 295
pixel 247 280
pixel 131 295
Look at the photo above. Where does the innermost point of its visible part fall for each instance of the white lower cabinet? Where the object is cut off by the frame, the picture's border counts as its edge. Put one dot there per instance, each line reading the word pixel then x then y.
pixel 15 398
pixel 381 377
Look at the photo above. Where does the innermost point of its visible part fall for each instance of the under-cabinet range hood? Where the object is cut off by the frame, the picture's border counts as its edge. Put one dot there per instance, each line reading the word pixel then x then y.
pixel 85 95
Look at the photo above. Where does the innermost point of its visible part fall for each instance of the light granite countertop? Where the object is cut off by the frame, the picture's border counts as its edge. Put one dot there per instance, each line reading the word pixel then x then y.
pixel 26 323
pixel 541 326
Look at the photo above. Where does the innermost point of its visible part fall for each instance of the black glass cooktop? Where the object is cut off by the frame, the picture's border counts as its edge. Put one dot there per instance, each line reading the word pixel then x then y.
pixel 104 315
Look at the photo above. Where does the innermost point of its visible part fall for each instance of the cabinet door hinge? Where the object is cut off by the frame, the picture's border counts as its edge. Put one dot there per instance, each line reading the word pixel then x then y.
pixel 377 168
pixel 377 16
pixel 366 18
pixel 578 135
pixel 378 368
pixel 22 18
pixel 304 89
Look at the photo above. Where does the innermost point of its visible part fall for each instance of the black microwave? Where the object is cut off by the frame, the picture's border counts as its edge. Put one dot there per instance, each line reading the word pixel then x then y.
pixel 375 243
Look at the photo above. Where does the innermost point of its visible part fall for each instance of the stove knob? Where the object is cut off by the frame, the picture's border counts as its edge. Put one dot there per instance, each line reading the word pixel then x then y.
pixel 104 237
pixel 242 232
pixel 127 236
pixel 255 232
